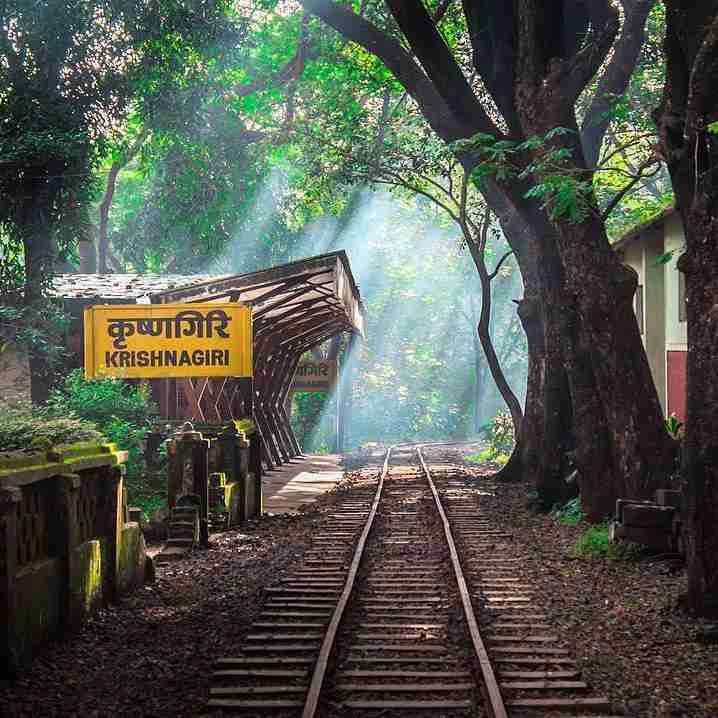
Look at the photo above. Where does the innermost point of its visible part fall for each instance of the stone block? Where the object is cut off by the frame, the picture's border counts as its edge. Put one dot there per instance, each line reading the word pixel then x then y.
pixel 648 516
pixel 132 557
pixel 654 538
pixel 86 580
pixel 37 614
pixel 669 497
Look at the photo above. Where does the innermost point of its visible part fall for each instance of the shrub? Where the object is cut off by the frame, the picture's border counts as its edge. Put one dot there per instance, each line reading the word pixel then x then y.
pixel 593 543
pixel 24 426
pixel 502 437
pixel 500 433
pixel 570 513
pixel 121 411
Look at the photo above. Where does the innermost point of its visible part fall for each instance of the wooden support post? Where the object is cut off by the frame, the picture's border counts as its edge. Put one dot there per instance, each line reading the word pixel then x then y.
pixel 346 392
pixel 255 466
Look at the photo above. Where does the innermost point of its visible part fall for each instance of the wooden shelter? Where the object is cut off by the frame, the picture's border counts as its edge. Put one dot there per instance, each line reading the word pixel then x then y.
pixel 296 306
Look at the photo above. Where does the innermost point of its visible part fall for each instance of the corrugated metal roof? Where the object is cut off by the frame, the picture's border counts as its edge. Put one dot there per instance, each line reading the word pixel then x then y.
pixel 121 286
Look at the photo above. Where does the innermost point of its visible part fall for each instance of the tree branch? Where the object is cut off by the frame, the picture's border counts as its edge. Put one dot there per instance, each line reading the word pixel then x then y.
pixel 442 69
pixel 400 63
pixel 615 79
pixel 652 160
pixel 579 71
pixel 498 266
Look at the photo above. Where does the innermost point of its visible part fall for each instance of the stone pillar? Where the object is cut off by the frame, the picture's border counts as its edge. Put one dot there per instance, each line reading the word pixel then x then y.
pixel 65 540
pixel 114 521
pixel 188 450
pixel 9 499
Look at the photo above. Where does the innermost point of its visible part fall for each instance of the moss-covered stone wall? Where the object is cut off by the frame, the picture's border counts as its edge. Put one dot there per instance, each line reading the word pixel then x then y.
pixel 66 549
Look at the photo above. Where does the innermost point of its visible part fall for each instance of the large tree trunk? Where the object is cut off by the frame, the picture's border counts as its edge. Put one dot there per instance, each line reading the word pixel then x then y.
pixel 622 448
pixel 546 429
pixel 700 447
pixel 690 104
pixel 40 255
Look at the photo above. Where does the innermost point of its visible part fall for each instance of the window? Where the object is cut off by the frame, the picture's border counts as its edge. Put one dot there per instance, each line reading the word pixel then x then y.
pixel 681 296
pixel 639 307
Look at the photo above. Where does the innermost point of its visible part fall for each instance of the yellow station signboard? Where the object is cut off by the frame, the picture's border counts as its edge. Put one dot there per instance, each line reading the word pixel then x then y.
pixel 160 341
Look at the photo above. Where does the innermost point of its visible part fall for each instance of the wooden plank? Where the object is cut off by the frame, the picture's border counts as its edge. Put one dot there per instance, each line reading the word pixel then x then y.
pixel 543 685
pixel 405 687
pixel 259 672
pixel 539 674
pixel 408 705
pixel 249 690
pixel 534 650
pixel 284 636
pixel 394 659
pixel 398 647
pixel 520 638
pixel 235 704
pixel 270 660
pixel 552 660
pixel 404 674
pixel 560 703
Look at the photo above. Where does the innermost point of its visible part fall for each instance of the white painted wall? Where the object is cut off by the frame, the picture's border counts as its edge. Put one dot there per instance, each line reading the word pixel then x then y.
pixel 674 240
pixel 654 303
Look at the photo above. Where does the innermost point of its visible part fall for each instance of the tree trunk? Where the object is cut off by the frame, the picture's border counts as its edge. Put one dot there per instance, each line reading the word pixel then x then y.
pixel 103 240
pixel 691 152
pixel 700 446
pixel 622 449
pixel 546 428
pixel 40 254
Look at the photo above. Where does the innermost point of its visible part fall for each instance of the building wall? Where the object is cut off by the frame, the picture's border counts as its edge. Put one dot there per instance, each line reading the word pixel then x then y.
pixel 676 330
pixel 654 303
pixel 14 376
pixel 642 257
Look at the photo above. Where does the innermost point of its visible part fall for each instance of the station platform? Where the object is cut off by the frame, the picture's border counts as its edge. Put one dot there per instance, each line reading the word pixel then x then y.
pixel 301 481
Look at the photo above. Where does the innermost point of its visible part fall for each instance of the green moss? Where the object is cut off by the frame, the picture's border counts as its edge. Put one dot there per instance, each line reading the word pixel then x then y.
pixel 489 456
pixel 86 578
pixel 59 458
pixel 594 544
pixel 131 559
pixel 244 426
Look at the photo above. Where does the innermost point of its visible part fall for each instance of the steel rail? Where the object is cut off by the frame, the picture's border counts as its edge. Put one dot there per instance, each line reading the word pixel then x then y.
pixel 320 668
pixel 493 693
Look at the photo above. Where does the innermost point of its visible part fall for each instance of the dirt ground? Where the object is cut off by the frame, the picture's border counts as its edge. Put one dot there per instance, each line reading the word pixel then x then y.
pixel 622 618
pixel 151 654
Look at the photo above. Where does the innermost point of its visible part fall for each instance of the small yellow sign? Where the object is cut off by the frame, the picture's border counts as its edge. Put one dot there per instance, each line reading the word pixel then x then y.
pixel 159 341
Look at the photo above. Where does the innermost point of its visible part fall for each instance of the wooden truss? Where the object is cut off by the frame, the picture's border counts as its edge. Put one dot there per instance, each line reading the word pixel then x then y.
pixel 295 307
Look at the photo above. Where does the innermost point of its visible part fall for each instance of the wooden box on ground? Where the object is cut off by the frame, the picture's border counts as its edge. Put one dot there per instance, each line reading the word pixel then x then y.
pixel 655 525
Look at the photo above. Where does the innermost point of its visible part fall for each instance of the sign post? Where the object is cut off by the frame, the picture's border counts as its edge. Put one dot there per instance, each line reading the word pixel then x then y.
pixel 316 375
pixel 160 341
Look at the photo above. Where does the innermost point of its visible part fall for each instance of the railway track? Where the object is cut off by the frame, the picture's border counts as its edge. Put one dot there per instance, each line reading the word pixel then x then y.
pixel 379 616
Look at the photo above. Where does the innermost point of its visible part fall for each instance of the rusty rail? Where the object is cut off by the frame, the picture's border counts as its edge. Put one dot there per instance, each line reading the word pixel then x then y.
pixel 320 669
pixel 491 687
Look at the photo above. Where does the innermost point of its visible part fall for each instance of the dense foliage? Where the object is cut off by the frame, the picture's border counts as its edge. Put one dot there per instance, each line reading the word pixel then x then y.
pixel 32 427
pixel 121 411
